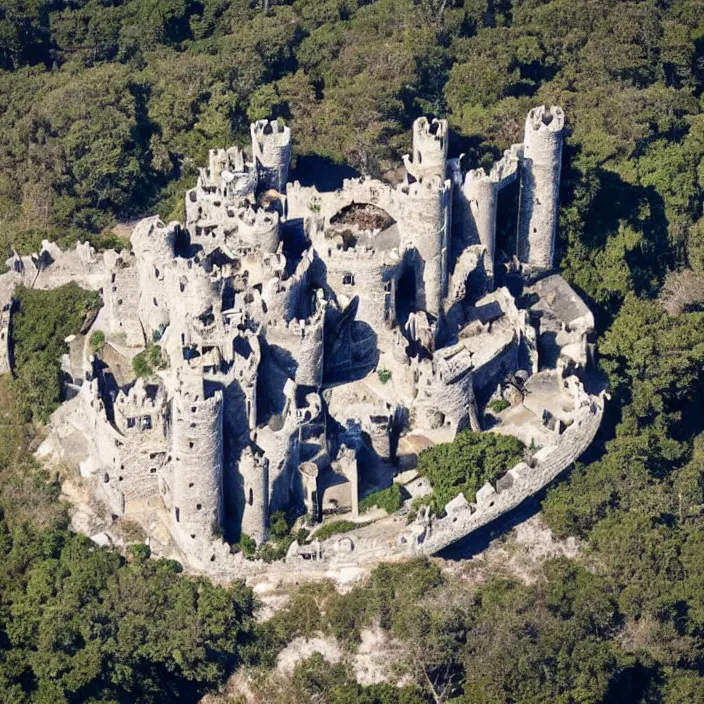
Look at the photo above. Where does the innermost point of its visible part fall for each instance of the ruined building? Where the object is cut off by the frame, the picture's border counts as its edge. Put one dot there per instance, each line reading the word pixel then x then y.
pixel 304 334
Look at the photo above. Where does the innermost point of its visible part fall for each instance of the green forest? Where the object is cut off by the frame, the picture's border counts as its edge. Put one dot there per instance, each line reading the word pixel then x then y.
pixel 106 109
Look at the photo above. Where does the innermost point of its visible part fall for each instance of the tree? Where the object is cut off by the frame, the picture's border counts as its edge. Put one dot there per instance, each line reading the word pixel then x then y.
pixel 465 464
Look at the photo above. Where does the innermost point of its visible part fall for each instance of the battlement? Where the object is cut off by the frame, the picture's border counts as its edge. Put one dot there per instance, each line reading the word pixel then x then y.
pixel 361 307
pixel 270 131
pixel 542 119
pixel 430 141
pixel 428 188
pixel 360 256
pixel 311 326
pixel 271 149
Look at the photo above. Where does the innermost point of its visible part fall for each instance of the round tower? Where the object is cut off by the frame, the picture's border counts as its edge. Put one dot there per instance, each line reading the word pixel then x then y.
pixel 540 185
pixel 481 193
pixel 258 228
pixel 429 148
pixel 271 149
pixel 197 442
pixel 253 470
pixel 426 220
pixel 297 346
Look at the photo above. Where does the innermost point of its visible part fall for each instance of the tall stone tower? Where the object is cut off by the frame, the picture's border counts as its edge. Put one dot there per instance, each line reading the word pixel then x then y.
pixel 481 193
pixel 253 470
pixel 430 138
pixel 426 222
pixel 540 184
pixel 197 442
pixel 271 149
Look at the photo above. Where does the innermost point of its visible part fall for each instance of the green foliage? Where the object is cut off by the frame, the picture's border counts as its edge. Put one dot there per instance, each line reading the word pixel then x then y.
pixel 80 623
pixel 389 499
pixel 27 494
pixel 148 361
pixel 278 525
pixel 333 528
pixel 247 545
pixel 79 620
pixel 384 375
pixel 498 405
pixel 467 463
pixel 97 340
pixel 42 321
pixel 315 679
pixel 95 125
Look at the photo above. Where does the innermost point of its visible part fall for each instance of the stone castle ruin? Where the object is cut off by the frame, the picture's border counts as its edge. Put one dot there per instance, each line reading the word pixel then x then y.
pixel 312 342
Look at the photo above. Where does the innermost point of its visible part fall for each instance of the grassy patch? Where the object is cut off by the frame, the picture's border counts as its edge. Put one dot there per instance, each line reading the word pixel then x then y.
pixel 498 405
pixel 384 375
pixel 330 529
pixel 149 361
pixel 389 499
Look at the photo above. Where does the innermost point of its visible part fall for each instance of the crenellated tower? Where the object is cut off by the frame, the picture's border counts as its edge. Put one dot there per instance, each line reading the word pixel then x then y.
pixel 540 186
pixel 271 149
pixel 430 139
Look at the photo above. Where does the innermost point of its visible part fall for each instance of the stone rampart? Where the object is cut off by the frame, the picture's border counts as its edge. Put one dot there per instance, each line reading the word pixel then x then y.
pixel 526 481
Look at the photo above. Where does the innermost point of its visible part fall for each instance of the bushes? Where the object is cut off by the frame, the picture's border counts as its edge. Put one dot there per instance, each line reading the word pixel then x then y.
pixel 498 405
pixel 465 464
pixel 42 321
pixel 147 362
pixel 389 499
pixel 80 623
pixel 329 529
pixel 384 375
pixel 97 341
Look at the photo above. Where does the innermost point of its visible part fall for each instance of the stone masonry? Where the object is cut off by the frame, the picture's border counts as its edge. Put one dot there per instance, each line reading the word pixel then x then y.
pixel 306 336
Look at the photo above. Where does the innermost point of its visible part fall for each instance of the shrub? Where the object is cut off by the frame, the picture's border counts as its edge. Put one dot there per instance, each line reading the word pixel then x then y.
pixel 139 552
pixel 465 464
pixel 270 552
pixel 148 361
pixel 42 321
pixel 389 499
pixel 278 525
pixel 498 405
pixel 247 545
pixel 384 375
pixel 329 529
pixel 97 340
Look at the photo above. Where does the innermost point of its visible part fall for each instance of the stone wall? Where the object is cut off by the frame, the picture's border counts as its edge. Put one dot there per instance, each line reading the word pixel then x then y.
pixel 524 482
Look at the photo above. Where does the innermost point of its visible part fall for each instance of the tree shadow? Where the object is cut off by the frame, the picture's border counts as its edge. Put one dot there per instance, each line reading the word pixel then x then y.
pixel 605 201
pixel 321 172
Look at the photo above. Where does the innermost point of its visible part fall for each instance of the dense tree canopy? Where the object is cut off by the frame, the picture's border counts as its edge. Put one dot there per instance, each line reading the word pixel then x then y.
pixel 467 463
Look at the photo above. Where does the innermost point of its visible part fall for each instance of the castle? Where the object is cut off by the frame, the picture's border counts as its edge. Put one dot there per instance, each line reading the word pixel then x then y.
pixel 307 337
